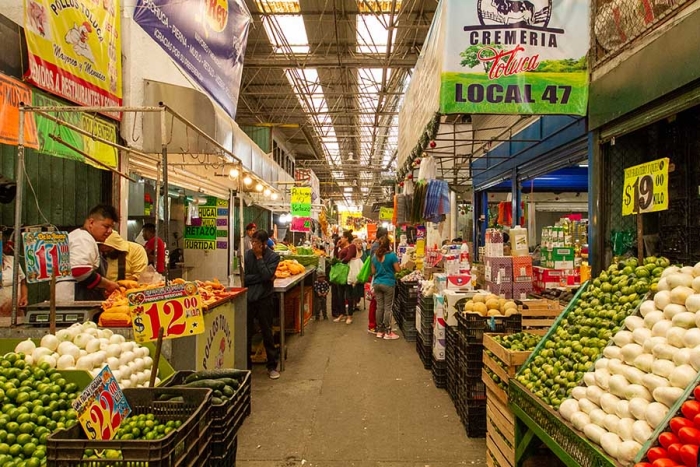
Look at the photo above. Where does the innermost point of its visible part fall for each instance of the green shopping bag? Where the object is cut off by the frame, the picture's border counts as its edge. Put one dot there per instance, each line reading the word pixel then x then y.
pixel 339 273
pixel 366 271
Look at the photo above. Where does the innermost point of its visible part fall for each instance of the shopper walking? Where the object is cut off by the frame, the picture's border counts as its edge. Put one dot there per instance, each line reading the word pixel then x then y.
pixel 385 265
pixel 347 253
pixel 372 315
pixel 336 298
pixel 260 266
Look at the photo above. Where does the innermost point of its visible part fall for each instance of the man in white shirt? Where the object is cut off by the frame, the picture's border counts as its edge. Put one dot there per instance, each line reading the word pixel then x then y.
pixel 88 282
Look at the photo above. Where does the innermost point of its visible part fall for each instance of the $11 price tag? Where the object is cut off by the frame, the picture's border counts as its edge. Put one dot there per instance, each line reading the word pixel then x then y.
pixel 176 308
pixel 102 407
pixel 46 254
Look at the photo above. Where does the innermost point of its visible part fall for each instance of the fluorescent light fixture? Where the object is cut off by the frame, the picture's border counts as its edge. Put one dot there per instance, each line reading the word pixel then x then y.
pixel 267 192
pixel 247 180
pixel 259 187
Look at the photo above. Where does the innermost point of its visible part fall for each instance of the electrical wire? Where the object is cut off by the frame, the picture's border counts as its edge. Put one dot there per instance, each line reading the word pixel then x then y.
pixel 36 198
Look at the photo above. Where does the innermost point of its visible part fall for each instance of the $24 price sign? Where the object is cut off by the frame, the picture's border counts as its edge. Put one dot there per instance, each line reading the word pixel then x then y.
pixel 646 188
pixel 102 407
pixel 46 254
pixel 176 308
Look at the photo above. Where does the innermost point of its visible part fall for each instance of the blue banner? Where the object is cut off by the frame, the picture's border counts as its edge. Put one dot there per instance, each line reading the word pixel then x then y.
pixel 206 38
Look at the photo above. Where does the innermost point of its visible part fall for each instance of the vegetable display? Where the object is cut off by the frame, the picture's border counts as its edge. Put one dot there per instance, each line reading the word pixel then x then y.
pixel 570 350
pixel 409 276
pixel 490 305
pixel 288 268
pixel 35 401
pixel 643 372
pixel 223 382
pixel 85 347
pixel 519 342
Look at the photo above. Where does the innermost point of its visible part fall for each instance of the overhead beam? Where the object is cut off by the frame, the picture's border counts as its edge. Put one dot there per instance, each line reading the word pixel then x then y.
pixel 323 61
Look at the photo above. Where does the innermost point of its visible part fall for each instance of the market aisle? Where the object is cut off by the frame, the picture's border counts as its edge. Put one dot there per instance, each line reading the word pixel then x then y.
pixel 350 399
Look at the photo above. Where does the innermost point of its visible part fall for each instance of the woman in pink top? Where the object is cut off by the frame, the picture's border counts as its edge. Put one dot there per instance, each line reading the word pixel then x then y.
pixel 348 251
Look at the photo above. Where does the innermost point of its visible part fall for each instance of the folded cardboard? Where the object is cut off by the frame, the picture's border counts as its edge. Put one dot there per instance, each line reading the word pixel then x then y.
pixel 454 303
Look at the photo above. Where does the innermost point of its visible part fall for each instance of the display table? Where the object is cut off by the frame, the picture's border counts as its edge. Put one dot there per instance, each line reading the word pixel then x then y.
pixel 283 286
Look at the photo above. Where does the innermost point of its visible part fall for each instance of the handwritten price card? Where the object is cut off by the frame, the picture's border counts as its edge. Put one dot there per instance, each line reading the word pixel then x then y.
pixel 301 202
pixel 46 253
pixel 646 188
pixel 102 407
pixel 177 309
pixel 301 224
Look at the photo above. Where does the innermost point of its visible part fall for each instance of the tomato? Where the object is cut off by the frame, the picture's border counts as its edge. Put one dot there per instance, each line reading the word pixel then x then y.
pixel 665 463
pixel 643 464
pixel 696 421
pixel 689 455
pixel 696 393
pixel 689 435
pixel 690 409
pixel 666 439
pixel 677 423
pixel 657 453
pixel 674 451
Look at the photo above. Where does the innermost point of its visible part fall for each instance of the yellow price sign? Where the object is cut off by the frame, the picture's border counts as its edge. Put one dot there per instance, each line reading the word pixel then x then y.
pixel 386 214
pixel 301 202
pixel 102 406
pixel 646 187
pixel 177 309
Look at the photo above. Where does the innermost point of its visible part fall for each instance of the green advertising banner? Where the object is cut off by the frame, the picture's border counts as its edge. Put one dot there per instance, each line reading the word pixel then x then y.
pixel 514 57
pixel 96 126
pixel 210 230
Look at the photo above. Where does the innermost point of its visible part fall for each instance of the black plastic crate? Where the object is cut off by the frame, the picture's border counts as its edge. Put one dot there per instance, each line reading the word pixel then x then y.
pixel 439 369
pixel 227 460
pixel 187 446
pixel 424 352
pixel 473 326
pixel 409 330
pixel 226 418
pixel 474 390
pixel 474 420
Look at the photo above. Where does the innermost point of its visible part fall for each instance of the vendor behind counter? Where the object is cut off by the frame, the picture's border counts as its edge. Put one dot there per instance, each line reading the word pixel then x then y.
pixel 124 259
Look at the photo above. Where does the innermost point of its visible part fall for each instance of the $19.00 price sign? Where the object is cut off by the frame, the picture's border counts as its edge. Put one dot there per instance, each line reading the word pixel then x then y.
pixel 46 254
pixel 177 309
pixel 102 407
pixel 646 188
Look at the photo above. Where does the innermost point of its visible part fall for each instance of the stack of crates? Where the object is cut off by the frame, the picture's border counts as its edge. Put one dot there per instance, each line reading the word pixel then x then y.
pixel 408 295
pixel 470 391
pixel 438 365
pixel 424 330
pixel 453 361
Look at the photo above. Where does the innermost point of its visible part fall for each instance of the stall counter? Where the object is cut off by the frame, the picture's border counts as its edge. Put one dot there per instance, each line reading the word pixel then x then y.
pixel 283 286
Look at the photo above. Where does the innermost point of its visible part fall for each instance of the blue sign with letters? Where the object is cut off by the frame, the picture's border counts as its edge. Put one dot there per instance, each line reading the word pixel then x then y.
pixel 206 38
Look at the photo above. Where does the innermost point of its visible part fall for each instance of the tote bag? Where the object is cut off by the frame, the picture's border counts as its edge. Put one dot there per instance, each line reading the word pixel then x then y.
pixel 355 268
pixel 366 271
pixel 339 273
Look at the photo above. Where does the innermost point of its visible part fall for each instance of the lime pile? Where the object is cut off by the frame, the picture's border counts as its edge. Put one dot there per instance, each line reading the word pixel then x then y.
pixel 590 324
pixel 35 401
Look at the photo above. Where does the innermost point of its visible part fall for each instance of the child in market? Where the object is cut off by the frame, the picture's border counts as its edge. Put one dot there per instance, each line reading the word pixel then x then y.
pixel 321 288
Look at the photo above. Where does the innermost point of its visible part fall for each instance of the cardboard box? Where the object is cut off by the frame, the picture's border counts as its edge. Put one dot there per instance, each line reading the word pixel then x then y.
pixel 522 269
pixel 521 290
pixel 493 249
pixel 459 282
pixel 439 327
pixel 503 290
pixel 454 303
pixel 562 258
pixel 418 318
pixel 498 269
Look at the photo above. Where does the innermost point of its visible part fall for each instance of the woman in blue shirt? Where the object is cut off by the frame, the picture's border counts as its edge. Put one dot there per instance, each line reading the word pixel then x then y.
pixel 385 265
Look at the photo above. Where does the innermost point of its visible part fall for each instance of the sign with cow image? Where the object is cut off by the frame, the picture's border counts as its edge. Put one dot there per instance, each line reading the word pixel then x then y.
pixel 515 57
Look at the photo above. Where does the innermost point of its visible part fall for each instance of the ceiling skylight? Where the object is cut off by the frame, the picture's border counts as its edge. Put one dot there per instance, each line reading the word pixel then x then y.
pixel 378 6
pixel 287 33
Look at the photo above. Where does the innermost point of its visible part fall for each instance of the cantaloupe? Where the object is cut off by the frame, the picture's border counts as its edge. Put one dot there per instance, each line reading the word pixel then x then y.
pixel 492 304
pixel 469 306
pixel 479 298
pixel 510 304
pixel 480 308
pixel 494 313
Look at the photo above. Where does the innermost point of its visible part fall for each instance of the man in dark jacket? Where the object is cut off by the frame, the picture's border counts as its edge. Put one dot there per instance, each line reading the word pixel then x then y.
pixel 260 266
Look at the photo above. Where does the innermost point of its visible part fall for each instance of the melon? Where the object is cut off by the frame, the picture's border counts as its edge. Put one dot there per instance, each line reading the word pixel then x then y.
pixel 493 304
pixel 480 308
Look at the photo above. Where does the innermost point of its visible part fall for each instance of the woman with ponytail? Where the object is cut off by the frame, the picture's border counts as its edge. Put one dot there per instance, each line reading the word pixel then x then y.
pixel 385 265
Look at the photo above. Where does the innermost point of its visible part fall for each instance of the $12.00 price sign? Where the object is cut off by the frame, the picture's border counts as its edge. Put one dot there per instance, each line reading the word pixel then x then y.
pixel 646 188
pixel 46 254
pixel 176 308
pixel 102 407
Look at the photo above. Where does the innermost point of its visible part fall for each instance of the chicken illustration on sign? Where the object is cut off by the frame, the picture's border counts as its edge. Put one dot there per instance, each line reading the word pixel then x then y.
pixel 77 37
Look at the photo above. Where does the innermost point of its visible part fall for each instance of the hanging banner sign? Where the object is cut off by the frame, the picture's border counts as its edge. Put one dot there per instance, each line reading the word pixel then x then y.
pixel 386 214
pixel 102 407
pixel 75 50
pixel 301 224
pixel 207 39
pixel 646 187
pixel 12 92
pixel 46 254
pixel 177 309
pixel 96 126
pixel 513 57
pixel 301 202
pixel 210 230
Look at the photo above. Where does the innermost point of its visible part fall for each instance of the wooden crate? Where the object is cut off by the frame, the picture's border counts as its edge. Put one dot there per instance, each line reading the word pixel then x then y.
pixel 492 388
pixel 539 314
pixel 500 432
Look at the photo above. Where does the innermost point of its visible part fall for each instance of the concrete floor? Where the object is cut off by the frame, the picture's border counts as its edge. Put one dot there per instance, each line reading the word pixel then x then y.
pixel 350 399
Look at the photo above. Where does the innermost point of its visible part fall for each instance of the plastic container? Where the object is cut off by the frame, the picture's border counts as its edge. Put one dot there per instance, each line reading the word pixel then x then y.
pixel 518 241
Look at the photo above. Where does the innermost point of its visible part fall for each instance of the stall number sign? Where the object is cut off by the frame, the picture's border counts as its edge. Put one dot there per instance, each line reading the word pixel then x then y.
pixel 386 214
pixel 646 188
pixel 176 308
pixel 46 254
pixel 102 407
pixel 301 202
pixel 301 224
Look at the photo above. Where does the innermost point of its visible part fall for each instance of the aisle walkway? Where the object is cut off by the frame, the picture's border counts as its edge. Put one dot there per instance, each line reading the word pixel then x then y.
pixel 350 399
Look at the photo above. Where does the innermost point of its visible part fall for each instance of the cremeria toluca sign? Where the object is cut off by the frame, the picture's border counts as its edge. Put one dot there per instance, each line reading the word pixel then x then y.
pixel 515 57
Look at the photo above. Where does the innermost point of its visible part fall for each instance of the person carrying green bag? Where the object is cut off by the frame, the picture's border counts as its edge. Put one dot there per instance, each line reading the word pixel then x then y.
pixel 366 272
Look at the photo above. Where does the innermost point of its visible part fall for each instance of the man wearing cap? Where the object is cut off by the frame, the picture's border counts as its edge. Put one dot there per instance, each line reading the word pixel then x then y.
pixel 125 260
pixel 250 230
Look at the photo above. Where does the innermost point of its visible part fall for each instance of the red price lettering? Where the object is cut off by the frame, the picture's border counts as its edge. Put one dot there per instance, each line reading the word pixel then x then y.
pixel 43 263
pixel 191 302
pixel 174 310
pixel 103 417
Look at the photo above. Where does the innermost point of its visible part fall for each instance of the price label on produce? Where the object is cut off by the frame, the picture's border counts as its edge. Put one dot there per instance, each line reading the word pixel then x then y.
pixel 177 309
pixel 301 202
pixel 301 224
pixel 102 407
pixel 646 188
pixel 46 254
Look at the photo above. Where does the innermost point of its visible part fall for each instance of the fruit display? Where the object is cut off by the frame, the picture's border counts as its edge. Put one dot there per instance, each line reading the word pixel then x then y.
pixel 145 427
pixel 679 444
pixel 490 305
pixel 573 345
pixel 409 276
pixel 35 400
pixel 644 371
pixel 85 347
pixel 288 268
pixel 519 342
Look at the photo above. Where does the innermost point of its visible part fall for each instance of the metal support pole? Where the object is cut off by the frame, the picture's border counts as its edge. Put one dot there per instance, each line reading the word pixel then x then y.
pixel 19 180
pixel 485 222
pixel 166 214
pixel 597 209
pixel 515 195
pixel 156 246
pixel 241 229
pixel 231 233
pixel 453 214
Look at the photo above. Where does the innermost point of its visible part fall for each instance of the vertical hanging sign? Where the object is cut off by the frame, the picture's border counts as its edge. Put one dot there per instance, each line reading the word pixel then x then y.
pixel 646 188
pixel 301 202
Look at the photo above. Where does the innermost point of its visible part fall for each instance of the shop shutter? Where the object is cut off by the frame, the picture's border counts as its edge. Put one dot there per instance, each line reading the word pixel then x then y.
pixel 561 157
pixel 651 114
